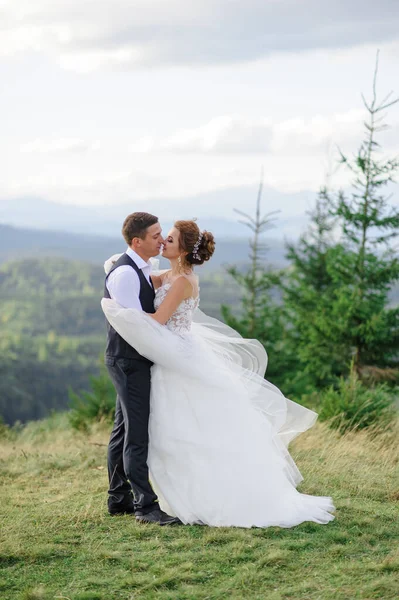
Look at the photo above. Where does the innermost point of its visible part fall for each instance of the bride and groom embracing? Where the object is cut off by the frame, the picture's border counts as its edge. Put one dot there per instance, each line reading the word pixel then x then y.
pixel 200 437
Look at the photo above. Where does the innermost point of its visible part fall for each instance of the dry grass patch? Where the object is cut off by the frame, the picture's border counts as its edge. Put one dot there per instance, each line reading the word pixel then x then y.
pixel 57 539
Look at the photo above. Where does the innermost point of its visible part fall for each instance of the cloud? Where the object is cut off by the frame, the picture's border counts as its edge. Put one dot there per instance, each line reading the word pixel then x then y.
pixel 229 134
pixel 297 154
pixel 238 135
pixel 235 134
pixel 85 36
pixel 232 135
pixel 75 185
pixel 60 146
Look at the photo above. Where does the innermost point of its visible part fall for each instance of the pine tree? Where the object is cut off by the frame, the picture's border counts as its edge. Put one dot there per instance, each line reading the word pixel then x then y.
pixel 336 293
pixel 364 266
pixel 308 256
pixel 307 295
pixel 262 315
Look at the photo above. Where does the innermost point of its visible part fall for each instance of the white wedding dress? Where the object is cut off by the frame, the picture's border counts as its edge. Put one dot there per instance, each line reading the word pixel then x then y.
pixel 218 430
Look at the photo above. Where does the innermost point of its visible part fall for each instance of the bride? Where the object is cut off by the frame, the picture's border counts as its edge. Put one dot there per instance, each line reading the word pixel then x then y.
pixel 218 431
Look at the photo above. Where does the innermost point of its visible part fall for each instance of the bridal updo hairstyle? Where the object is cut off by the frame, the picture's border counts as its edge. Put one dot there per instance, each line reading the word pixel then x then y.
pixel 189 234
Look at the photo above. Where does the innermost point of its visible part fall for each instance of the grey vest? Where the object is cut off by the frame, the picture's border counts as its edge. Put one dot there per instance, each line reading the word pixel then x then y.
pixel 116 345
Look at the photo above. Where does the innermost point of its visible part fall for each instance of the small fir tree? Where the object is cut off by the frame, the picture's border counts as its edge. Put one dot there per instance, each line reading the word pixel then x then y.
pixel 307 289
pixel 364 265
pixel 336 293
pixel 261 316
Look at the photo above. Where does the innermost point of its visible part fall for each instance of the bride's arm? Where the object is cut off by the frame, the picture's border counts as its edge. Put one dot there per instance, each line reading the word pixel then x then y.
pixel 180 290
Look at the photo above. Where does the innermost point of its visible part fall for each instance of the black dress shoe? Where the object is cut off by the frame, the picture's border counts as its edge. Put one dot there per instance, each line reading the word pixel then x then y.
pixel 158 517
pixel 126 509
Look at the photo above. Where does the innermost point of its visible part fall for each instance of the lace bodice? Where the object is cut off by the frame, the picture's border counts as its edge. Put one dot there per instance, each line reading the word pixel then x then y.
pixel 181 320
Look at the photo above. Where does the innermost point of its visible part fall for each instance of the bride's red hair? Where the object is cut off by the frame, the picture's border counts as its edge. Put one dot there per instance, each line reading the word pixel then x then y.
pixel 189 235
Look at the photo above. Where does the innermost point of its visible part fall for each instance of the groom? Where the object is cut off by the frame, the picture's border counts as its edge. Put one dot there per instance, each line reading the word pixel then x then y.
pixel 129 283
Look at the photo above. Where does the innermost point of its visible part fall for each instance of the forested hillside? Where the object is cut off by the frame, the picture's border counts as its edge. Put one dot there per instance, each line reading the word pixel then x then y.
pixel 53 330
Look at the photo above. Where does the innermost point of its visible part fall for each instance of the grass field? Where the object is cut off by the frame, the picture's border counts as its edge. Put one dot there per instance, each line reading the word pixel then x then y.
pixel 57 541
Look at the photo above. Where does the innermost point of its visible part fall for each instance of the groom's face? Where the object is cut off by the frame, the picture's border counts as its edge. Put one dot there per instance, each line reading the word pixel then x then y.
pixel 152 243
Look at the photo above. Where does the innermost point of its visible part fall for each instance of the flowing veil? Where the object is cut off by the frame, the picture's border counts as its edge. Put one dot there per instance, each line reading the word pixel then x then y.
pixel 249 358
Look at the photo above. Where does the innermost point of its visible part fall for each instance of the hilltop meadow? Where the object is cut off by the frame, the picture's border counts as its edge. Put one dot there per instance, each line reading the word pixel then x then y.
pixel 58 542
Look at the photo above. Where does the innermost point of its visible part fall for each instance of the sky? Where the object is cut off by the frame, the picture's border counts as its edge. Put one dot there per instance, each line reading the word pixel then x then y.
pixel 131 102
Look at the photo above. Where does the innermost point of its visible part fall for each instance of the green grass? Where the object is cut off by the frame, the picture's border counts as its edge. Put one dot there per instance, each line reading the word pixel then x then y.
pixel 57 540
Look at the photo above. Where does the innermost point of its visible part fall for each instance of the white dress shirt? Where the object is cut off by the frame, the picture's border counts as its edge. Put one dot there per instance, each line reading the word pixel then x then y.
pixel 123 284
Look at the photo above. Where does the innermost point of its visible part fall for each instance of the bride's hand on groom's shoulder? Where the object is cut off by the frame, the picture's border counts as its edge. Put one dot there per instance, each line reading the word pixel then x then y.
pixel 110 262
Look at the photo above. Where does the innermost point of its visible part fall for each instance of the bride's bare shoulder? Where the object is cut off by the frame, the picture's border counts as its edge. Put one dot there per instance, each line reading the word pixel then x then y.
pixel 193 279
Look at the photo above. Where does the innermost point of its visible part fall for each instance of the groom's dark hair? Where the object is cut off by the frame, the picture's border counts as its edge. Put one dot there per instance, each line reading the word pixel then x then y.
pixel 136 225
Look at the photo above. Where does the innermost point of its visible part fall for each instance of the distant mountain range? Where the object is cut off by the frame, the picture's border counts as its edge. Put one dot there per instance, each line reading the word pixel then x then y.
pixel 215 212
pixel 38 213
pixel 18 243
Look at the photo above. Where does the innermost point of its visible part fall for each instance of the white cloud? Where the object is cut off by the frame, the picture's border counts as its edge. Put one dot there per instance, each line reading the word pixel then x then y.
pixel 63 145
pixel 316 133
pixel 91 35
pixel 227 151
pixel 238 135
pixel 223 135
pixel 235 134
